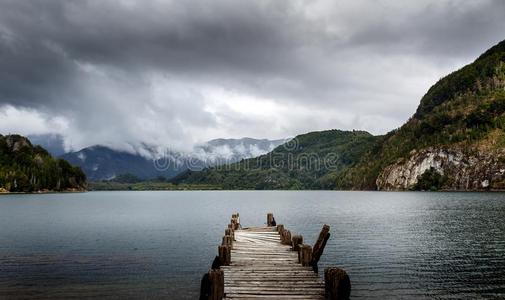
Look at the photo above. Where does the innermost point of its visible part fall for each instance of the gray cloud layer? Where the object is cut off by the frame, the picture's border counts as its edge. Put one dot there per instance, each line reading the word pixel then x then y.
pixel 171 73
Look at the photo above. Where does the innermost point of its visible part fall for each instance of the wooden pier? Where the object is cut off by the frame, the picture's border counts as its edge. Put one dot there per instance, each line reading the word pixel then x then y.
pixel 269 263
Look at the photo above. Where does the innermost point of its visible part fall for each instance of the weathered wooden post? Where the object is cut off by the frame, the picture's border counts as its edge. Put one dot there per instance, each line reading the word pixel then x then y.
pixel 280 228
pixel 296 241
pixel 286 237
pixel 233 223
pixel 216 279
pixel 235 218
pixel 305 255
pixel 227 241
pixel 230 232
pixel 324 235
pixel 270 219
pixel 224 254
pixel 337 284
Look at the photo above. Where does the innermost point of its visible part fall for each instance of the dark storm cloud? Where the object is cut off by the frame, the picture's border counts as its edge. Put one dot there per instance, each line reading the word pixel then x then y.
pixel 172 72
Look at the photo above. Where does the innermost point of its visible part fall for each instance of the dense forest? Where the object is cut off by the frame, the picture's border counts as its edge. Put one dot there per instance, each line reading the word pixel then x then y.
pixel 28 168
pixel 309 161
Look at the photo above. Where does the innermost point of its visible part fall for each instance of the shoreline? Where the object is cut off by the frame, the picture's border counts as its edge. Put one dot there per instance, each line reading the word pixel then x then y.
pixel 43 192
pixel 241 190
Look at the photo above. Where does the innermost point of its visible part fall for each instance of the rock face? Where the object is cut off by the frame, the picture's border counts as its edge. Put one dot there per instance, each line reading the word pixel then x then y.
pixel 465 170
pixel 16 142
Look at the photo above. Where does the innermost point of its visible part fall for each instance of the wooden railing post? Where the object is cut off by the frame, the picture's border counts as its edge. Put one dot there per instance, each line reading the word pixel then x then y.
pixel 296 241
pixel 305 255
pixel 216 279
pixel 324 235
pixel 337 284
pixel 270 219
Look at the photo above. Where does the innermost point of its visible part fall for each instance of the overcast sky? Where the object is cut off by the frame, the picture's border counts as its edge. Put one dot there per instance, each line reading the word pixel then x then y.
pixel 172 73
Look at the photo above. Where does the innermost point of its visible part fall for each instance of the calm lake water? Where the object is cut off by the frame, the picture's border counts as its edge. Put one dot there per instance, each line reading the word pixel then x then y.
pixel 158 244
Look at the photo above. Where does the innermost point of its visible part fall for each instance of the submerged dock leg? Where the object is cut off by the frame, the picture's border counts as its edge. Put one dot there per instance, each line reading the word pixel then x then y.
pixel 216 278
pixel 337 284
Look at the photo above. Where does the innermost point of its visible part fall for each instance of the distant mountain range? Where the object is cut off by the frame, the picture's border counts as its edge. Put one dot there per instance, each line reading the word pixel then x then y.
pixel 104 163
pixel 454 141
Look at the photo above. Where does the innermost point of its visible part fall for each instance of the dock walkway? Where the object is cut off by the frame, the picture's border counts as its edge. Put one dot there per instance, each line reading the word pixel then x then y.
pixel 262 267
pixel 269 263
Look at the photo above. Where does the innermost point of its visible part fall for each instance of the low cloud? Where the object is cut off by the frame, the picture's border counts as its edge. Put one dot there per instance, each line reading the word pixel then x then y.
pixel 173 74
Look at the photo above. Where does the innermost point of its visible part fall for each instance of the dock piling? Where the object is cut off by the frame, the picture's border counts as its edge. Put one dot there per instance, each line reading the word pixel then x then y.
pixel 337 284
pixel 305 255
pixel 270 219
pixel 296 241
pixel 216 279
pixel 286 237
pixel 224 254
pixel 256 262
pixel 227 241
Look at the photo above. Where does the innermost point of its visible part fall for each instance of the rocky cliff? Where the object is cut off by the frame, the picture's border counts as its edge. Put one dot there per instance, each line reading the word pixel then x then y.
pixel 461 170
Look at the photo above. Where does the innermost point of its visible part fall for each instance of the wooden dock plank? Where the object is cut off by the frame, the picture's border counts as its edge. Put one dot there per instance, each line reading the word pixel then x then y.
pixel 263 268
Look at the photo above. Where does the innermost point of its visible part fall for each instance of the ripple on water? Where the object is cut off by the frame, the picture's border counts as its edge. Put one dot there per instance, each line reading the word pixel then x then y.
pixel 158 244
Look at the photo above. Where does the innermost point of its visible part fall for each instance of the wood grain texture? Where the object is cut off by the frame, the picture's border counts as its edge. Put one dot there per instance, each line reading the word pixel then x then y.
pixel 262 267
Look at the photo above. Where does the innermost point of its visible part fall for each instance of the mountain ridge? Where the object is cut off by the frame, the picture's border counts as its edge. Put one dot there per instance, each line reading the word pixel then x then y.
pixel 455 140
pixel 462 115
pixel 290 165
pixel 28 168
pixel 104 163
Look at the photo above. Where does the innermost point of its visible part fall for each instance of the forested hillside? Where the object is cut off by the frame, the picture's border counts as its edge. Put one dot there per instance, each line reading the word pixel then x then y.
pixel 28 168
pixel 454 141
pixel 456 132
pixel 309 161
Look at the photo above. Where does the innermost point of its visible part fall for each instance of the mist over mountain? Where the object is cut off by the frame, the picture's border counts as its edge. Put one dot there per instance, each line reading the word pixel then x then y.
pixel 53 143
pixel 220 151
pixel 104 163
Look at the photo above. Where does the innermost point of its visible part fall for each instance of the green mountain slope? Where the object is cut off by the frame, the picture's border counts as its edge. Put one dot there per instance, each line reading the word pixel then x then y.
pixel 457 132
pixel 28 168
pixel 309 161
pixel 454 141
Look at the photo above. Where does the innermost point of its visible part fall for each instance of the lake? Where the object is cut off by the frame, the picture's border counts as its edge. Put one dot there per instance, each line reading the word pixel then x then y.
pixel 157 245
